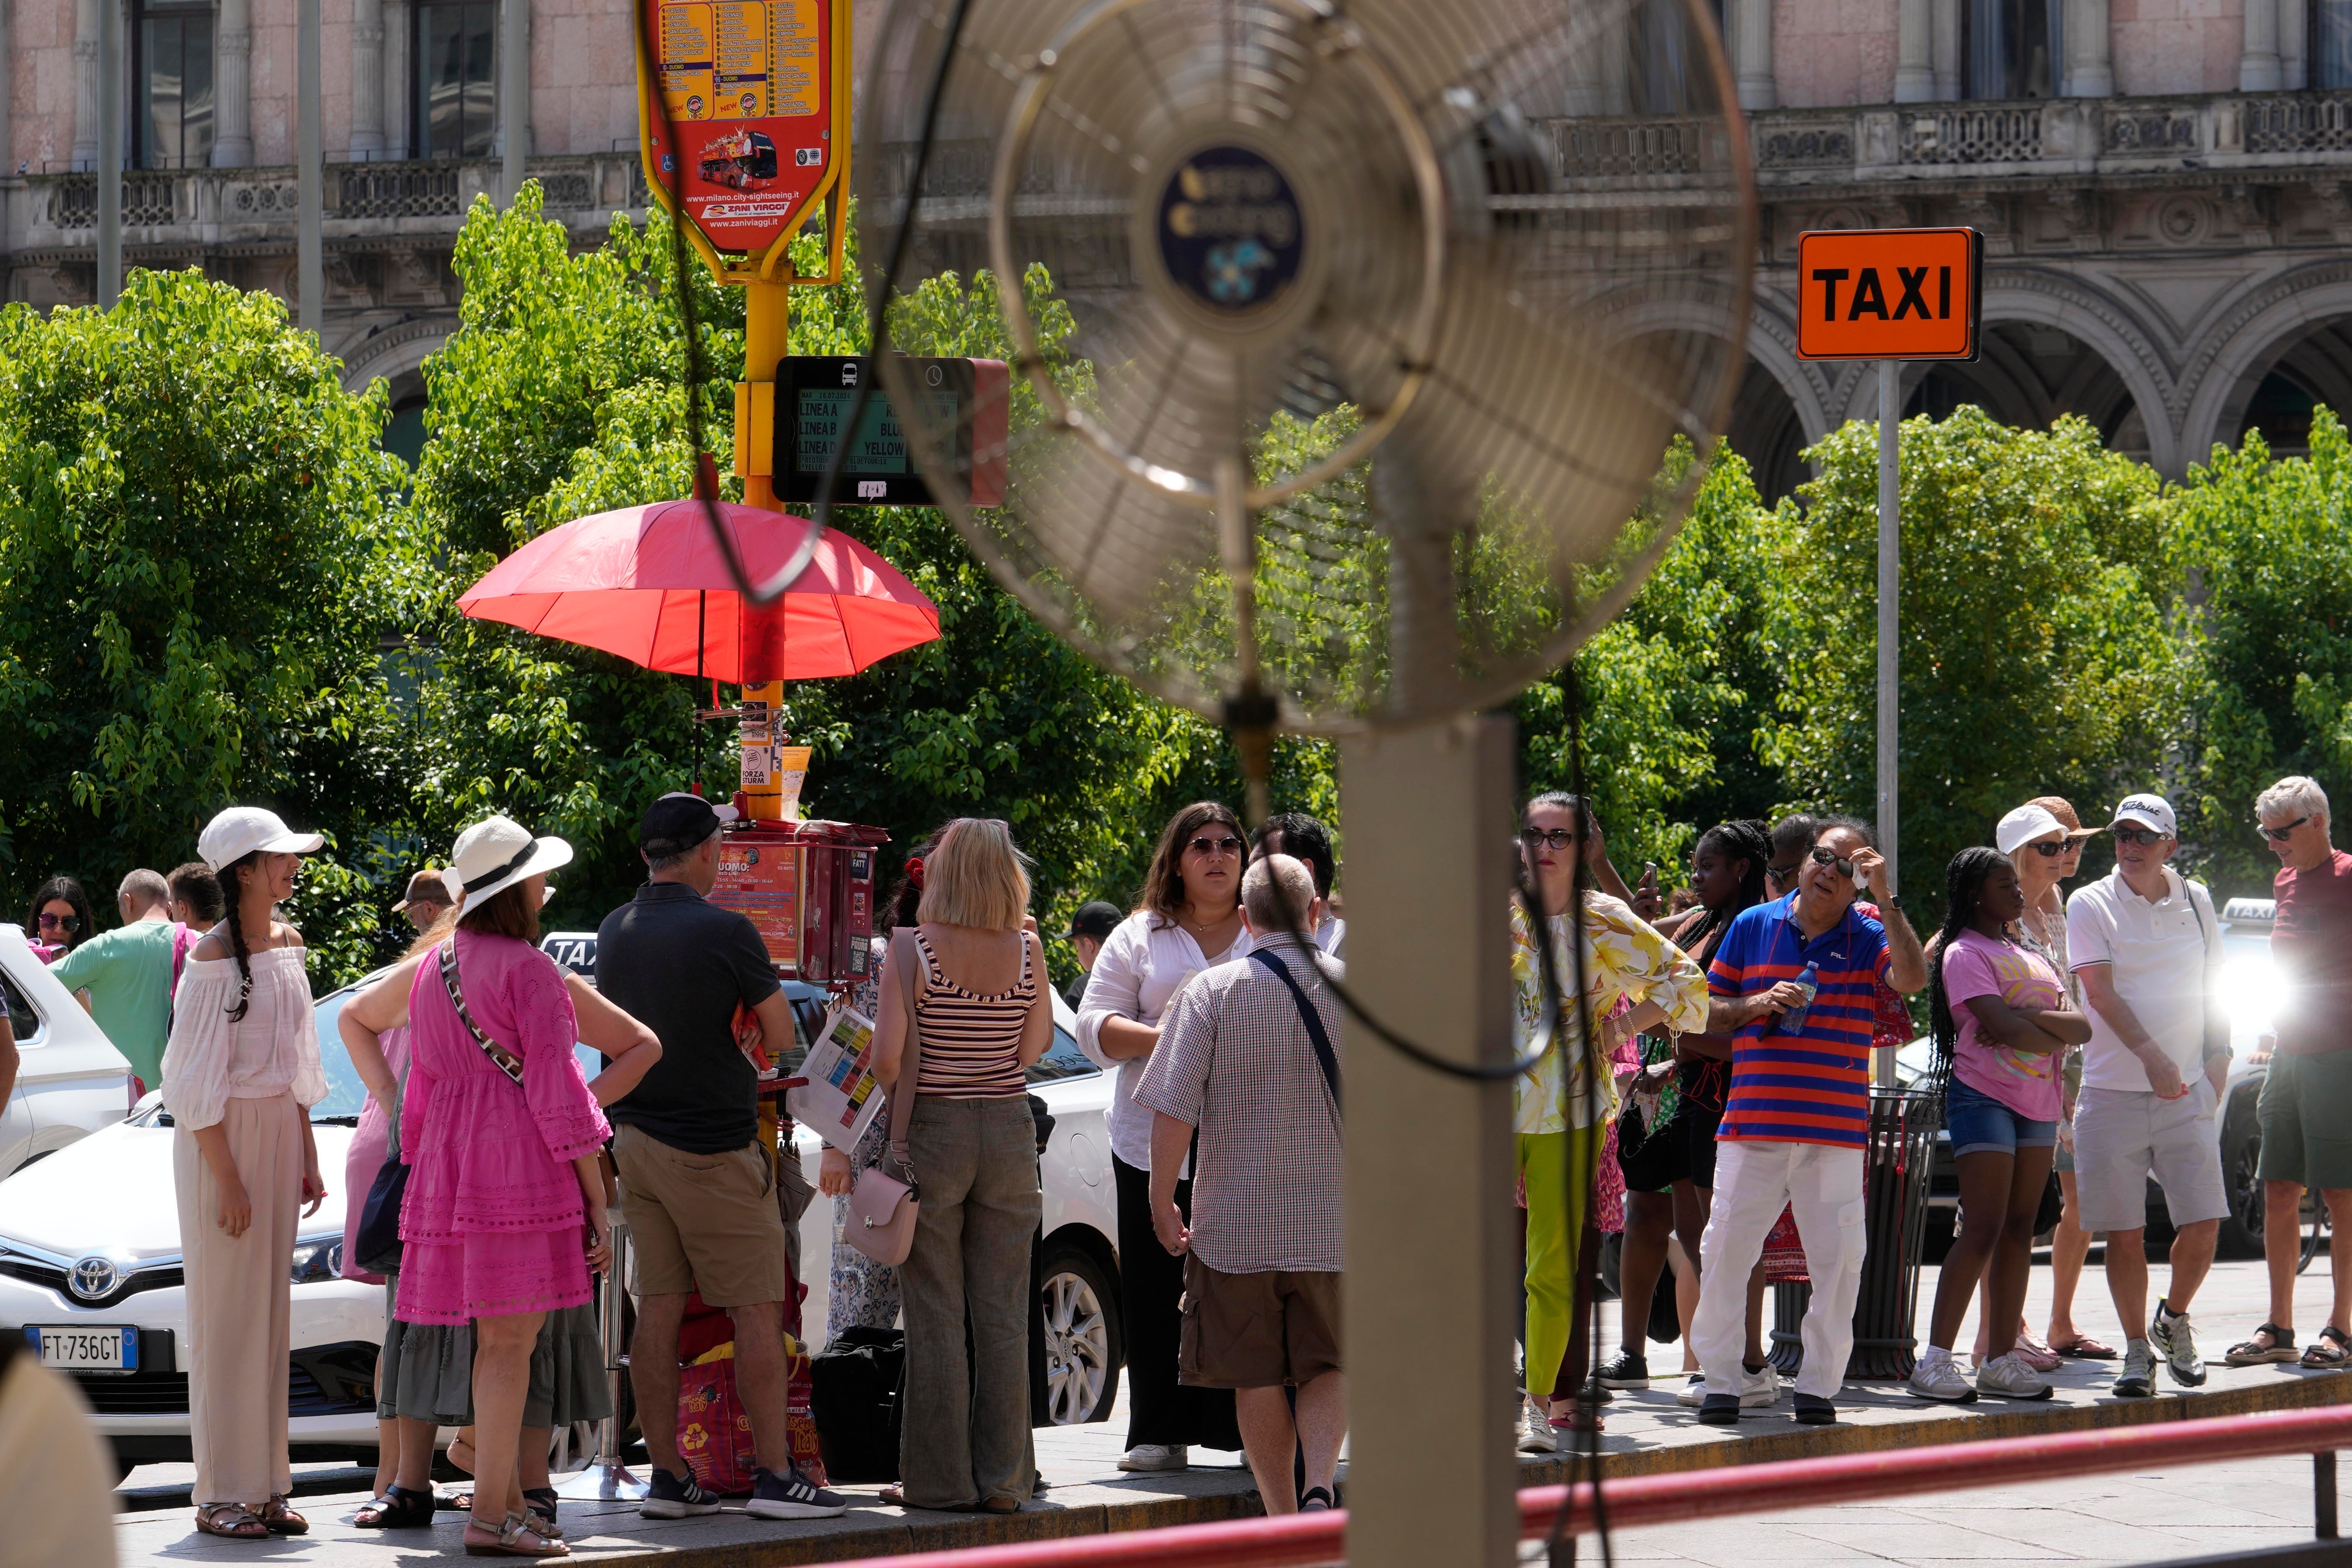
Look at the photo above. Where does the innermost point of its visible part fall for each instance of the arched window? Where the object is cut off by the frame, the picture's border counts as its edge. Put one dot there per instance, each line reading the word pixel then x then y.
pixel 2331 43
pixel 457 89
pixel 172 70
pixel 2011 48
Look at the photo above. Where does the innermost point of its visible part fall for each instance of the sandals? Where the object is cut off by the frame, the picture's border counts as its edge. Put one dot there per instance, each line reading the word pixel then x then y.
pixel 397 1509
pixel 232 1520
pixel 281 1520
pixel 541 1503
pixel 2330 1352
pixel 2037 1356
pixel 2250 1353
pixel 518 1535
pixel 2083 1347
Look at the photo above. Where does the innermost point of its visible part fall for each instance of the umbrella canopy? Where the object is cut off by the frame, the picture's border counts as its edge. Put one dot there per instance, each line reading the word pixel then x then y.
pixel 648 583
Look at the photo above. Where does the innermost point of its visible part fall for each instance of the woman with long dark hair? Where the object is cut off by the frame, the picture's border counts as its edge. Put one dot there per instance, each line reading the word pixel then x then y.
pixel 1665 1134
pixel 1190 918
pixel 2001 1023
pixel 59 919
pixel 240 1075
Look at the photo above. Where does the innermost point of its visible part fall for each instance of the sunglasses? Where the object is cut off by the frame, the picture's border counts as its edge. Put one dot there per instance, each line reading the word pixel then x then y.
pixel 2052 851
pixel 2146 837
pixel 1547 837
pixel 60 922
pixel 1783 873
pixel 1204 845
pixel 1829 858
pixel 2280 835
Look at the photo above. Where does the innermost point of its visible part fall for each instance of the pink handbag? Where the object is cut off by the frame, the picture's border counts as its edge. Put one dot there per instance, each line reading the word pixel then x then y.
pixel 882 1208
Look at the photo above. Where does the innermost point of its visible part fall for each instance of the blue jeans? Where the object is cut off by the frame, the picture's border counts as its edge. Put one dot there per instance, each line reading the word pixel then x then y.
pixel 1979 1124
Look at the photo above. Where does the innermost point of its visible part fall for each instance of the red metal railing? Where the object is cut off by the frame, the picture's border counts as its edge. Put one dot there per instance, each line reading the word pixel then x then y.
pixel 1301 1541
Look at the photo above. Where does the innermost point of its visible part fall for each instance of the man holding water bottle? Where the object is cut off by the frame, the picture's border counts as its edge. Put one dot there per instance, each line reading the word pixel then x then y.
pixel 1800 975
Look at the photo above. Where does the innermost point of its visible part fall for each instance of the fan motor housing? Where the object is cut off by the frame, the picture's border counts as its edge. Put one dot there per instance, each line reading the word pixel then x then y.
pixel 1232 237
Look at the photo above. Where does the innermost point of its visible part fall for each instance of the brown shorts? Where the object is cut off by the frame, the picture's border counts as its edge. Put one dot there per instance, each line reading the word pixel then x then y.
pixel 1256 1331
pixel 701 1222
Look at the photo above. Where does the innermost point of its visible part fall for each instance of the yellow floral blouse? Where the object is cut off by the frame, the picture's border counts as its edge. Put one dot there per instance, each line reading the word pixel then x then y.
pixel 1623 958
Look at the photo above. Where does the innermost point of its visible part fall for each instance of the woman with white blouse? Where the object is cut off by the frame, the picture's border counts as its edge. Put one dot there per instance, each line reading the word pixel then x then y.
pixel 240 1075
pixel 1191 918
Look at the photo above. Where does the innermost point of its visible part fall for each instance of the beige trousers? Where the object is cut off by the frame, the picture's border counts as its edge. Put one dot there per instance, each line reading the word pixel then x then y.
pixel 238 1303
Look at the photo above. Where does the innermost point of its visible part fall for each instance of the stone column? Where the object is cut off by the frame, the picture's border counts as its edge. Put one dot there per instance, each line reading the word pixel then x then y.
pixel 1914 74
pixel 2258 59
pixel 2294 63
pixel 2090 55
pixel 367 80
pixel 1944 33
pixel 233 86
pixel 397 87
pixel 85 58
pixel 1751 53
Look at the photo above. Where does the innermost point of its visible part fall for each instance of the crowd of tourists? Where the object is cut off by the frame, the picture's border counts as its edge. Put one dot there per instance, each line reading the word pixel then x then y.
pixel 1716 1118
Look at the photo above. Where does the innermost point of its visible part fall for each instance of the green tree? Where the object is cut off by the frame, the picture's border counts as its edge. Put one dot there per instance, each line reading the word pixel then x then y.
pixel 2035 651
pixel 198 550
pixel 2266 547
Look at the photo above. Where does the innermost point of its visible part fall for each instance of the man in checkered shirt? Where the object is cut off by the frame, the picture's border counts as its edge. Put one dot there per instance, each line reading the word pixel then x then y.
pixel 1238 1061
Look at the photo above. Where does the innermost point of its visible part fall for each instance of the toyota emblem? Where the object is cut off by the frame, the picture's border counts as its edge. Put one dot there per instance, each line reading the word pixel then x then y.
pixel 93 1277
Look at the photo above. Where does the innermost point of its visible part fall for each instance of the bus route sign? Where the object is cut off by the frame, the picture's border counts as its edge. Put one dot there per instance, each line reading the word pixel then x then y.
pixel 1889 293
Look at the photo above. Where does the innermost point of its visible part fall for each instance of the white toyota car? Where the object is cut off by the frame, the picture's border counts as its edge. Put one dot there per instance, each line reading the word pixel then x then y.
pixel 71 1080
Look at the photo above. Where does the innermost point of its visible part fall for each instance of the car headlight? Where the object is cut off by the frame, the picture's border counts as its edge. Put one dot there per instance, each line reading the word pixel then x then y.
pixel 318 1260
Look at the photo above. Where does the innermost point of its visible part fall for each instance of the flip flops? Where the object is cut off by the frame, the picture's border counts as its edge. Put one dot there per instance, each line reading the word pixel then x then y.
pixel 2083 1347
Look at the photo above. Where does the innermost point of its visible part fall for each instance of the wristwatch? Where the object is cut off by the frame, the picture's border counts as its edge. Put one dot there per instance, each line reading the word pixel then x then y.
pixel 1894 900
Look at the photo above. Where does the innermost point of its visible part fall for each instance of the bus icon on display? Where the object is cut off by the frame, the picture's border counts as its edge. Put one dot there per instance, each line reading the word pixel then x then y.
pixel 740 159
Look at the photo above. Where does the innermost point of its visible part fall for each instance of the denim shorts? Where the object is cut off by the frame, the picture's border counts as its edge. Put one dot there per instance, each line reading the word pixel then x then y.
pixel 1979 1124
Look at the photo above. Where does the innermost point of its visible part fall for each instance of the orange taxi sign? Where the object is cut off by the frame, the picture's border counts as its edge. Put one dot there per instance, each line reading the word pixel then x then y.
pixel 1889 293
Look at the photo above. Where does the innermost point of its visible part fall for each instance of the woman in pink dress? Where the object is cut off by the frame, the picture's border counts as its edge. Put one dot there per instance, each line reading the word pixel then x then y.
pixel 504 1216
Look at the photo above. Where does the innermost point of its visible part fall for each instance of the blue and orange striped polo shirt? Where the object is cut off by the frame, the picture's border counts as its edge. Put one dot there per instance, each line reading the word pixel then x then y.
pixel 1811 1086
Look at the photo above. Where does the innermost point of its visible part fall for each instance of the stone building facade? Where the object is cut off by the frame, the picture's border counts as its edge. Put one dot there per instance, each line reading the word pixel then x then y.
pixel 2165 185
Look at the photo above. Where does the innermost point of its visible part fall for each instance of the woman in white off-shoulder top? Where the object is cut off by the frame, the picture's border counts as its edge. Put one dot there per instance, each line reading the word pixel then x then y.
pixel 239 1076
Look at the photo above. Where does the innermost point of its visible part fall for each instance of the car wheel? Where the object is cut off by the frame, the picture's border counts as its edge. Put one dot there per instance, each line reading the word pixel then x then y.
pixel 2242 1154
pixel 1083 1344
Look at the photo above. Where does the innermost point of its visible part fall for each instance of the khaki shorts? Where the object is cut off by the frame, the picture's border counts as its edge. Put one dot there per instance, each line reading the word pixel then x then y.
pixel 1256 1331
pixel 2121 1136
pixel 701 1222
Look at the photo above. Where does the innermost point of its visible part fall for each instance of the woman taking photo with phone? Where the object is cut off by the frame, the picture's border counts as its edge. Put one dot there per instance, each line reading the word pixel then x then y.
pixel 2001 1024
pixel 504 1216
pixel 1191 917
pixel 240 1074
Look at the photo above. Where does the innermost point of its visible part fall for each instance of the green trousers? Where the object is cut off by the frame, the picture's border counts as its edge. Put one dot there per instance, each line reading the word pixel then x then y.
pixel 1558 1168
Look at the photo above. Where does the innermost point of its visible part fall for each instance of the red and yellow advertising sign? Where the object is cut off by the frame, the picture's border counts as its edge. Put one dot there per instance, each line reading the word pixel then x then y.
pixel 757 94
pixel 1889 293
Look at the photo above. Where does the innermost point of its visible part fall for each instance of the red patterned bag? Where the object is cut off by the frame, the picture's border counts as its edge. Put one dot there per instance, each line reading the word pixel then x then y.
pixel 714 1430
pixel 800 1416
pixel 1784 1252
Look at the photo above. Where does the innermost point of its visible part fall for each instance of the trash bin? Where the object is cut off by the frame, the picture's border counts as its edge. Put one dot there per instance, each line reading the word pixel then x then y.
pixel 1897 1161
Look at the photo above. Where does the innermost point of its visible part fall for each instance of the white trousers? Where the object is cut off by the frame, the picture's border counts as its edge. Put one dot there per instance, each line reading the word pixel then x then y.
pixel 1753 1181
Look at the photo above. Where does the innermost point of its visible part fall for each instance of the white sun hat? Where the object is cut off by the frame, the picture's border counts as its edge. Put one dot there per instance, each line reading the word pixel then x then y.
pixel 495 854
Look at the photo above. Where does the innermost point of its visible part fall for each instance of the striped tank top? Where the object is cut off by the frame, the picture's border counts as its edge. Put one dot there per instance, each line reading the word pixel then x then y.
pixel 972 1044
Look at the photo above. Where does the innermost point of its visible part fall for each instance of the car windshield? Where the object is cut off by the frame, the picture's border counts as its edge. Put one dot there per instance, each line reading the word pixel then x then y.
pixel 346 1094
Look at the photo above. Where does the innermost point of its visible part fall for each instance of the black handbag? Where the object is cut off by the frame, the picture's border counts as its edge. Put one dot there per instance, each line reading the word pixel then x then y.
pixel 378 1241
pixel 857 1387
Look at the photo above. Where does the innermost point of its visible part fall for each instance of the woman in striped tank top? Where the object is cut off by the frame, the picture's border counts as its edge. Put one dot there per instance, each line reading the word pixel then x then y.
pixel 981 1017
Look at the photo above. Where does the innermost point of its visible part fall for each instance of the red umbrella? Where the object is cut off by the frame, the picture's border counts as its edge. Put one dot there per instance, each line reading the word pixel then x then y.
pixel 648 583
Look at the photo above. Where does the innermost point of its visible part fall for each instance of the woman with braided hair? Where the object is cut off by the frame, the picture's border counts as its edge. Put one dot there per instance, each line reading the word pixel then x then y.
pixel 2001 1023
pixel 240 1074
pixel 1665 1134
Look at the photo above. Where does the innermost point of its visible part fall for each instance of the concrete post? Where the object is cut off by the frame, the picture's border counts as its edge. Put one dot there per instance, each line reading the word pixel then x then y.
pixel 2090 53
pixel 309 258
pixel 367 80
pixel 1431 1248
pixel 514 99
pixel 1914 74
pixel 110 152
pixel 233 86
pixel 1752 45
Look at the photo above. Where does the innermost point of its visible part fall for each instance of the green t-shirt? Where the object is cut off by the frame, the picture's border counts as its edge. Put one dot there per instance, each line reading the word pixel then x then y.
pixel 127 974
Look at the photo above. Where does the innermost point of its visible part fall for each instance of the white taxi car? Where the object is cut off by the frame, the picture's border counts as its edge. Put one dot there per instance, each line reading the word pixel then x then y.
pixel 71 1080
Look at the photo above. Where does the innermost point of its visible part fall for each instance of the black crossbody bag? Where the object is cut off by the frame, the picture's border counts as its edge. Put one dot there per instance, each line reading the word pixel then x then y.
pixel 1324 1056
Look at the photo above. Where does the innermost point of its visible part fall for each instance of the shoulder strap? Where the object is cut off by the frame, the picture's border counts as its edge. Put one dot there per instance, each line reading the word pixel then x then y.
pixel 505 1060
pixel 910 1059
pixel 1324 1057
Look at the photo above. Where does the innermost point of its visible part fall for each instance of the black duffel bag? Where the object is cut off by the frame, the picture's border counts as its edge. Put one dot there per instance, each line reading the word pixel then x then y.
pixel 856 1386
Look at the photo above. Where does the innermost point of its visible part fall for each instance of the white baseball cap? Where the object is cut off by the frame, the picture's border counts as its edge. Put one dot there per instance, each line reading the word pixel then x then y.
pixel 242 830
pixel 2023 826
pixel 2148 811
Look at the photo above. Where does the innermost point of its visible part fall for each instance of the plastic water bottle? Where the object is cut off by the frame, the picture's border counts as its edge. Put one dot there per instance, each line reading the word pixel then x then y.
pixel 1792 1022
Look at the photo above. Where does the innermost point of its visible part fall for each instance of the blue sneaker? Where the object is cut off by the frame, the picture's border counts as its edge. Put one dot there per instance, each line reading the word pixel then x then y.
pixel 675 1497
pixel 790 1495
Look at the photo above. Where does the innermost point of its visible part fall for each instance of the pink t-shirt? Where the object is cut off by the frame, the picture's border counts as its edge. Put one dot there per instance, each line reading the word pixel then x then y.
pixel 1977 965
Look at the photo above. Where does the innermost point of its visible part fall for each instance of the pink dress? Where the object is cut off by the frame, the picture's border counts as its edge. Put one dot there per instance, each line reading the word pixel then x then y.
pixel 492 1223
pixel 365 1157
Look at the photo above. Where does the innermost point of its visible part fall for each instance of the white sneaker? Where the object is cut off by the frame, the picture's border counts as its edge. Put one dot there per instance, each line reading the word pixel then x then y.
pixel 1942 1378
pixel 1146 1456
pixel 1694 1391
pixel 1759 1388
pixel 2010 1378
pixel 1535 1430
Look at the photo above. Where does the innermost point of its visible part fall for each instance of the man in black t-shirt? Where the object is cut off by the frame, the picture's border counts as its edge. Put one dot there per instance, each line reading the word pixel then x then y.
pixel 697 1189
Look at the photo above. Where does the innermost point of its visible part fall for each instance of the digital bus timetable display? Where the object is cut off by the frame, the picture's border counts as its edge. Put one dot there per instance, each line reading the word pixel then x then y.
pixel 961 400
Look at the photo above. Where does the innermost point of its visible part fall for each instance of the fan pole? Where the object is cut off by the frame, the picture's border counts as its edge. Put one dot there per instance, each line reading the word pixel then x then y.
pixel 1890 613
pixel 1431 1245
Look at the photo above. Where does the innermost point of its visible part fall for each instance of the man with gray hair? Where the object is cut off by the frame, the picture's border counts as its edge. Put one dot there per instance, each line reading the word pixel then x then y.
pixel 1248 1063
pixel 123 978
pixel 2306 1111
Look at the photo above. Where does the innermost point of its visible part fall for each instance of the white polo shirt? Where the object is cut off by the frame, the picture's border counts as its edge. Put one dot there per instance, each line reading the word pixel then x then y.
pixel 2167 956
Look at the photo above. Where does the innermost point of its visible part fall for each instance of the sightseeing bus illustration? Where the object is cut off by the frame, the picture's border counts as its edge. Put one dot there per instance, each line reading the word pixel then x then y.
pixel 738 158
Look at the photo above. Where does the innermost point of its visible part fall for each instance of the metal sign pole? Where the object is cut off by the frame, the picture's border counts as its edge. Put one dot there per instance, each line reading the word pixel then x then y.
pixel 1890 612
pixel 606 1477
pixel 110 153
pixel 309 148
